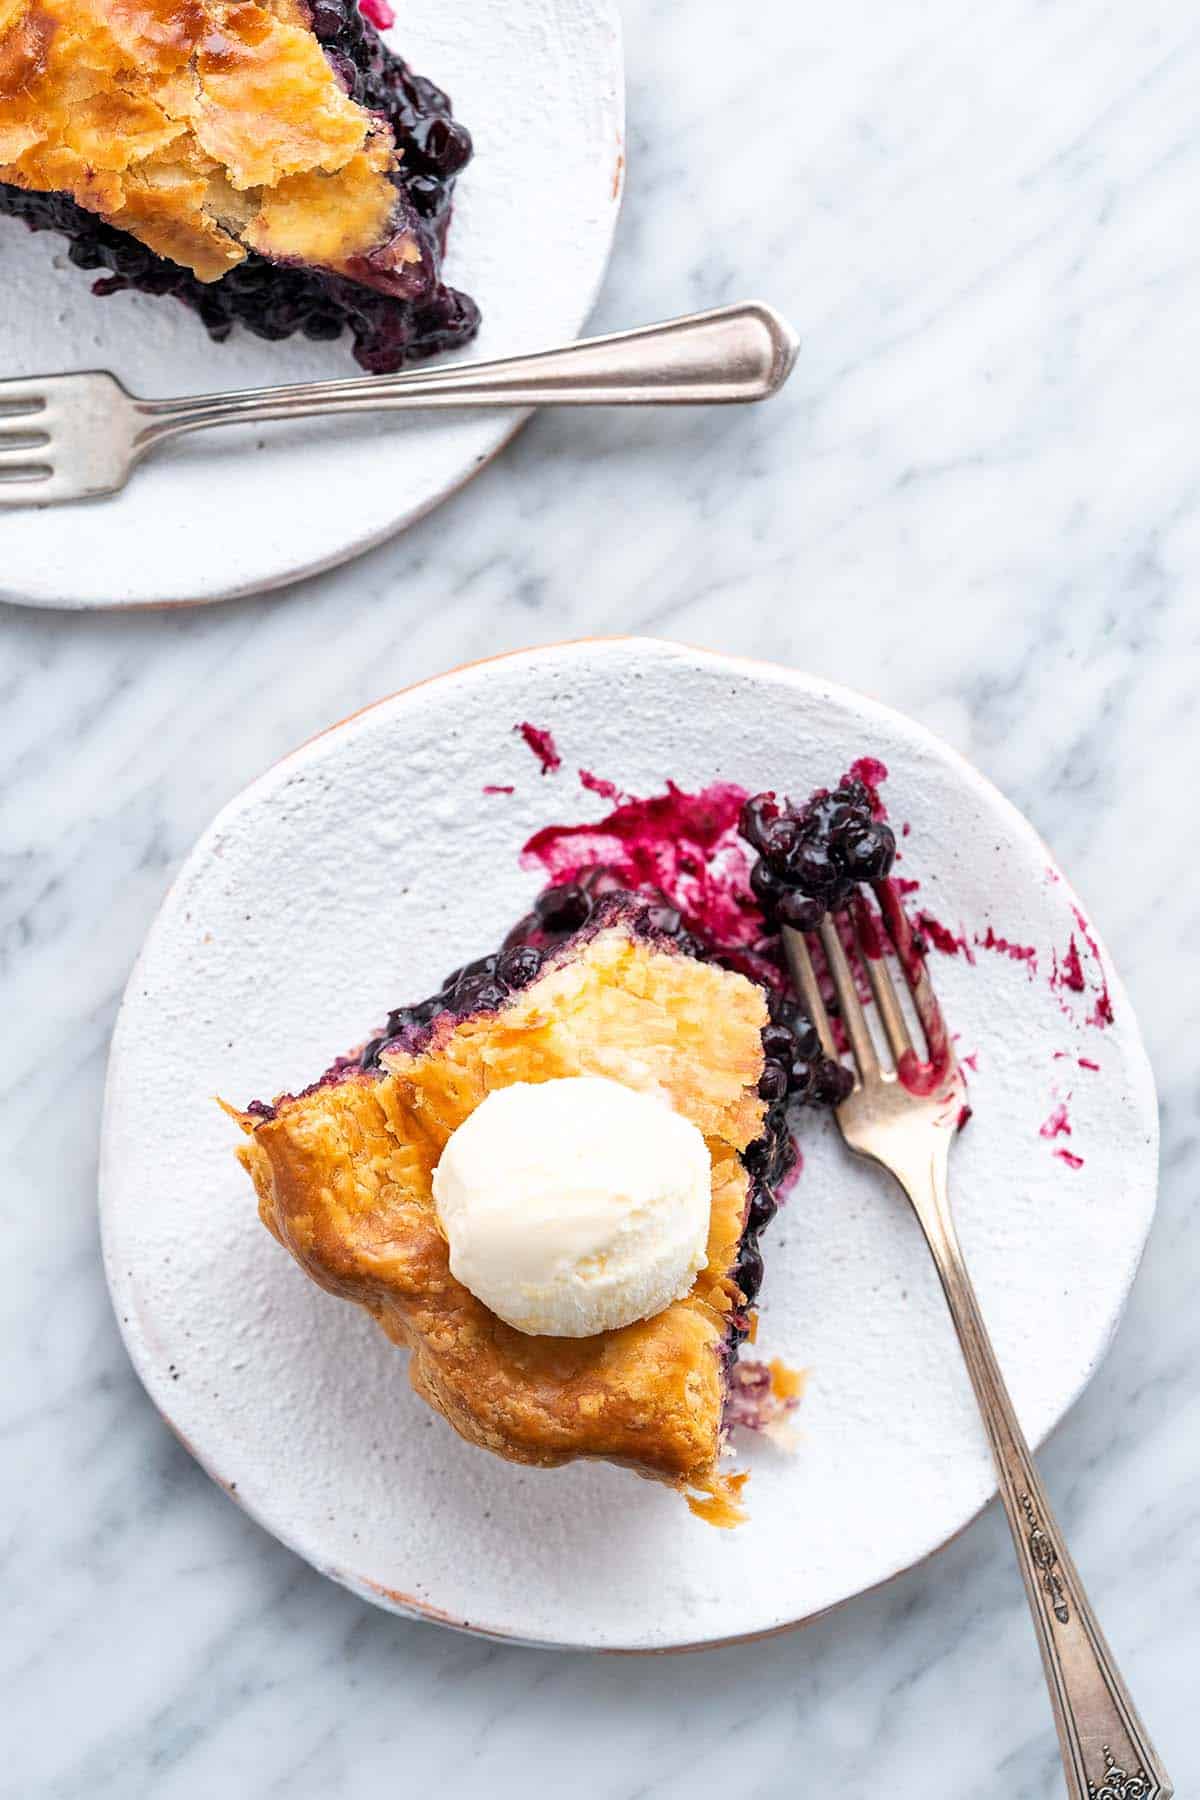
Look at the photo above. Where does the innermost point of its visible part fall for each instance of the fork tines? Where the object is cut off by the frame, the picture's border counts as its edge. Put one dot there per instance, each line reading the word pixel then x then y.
pixel 21 397
pixel 20 404
pixel 869 936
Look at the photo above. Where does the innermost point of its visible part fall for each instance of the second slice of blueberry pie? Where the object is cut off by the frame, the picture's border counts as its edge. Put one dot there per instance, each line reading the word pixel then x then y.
pixel 267 162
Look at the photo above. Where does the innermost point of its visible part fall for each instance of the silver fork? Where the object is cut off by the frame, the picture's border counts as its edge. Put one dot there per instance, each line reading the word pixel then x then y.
pixel 902 1114
pixel 74 437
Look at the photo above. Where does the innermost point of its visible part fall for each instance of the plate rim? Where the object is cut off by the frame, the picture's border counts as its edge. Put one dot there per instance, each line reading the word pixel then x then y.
pixel 409 1606
pixel 609 13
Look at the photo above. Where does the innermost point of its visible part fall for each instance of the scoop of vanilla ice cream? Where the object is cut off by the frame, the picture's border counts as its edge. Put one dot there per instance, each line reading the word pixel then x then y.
pixel 574 1206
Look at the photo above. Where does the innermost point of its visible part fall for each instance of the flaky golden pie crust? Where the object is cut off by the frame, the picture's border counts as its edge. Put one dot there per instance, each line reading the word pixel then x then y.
pixel 343 1175
pixel 206 129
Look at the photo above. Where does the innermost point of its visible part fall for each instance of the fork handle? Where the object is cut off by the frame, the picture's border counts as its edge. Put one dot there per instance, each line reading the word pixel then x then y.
pixel 1105 1750
pixel 737 353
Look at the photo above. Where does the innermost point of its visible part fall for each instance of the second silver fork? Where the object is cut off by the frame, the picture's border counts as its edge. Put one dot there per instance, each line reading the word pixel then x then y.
pixel 77 437
pixel 903 1114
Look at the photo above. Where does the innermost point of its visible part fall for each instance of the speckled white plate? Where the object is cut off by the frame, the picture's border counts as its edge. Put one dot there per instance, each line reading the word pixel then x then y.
pixel 540 83
pixel 350 878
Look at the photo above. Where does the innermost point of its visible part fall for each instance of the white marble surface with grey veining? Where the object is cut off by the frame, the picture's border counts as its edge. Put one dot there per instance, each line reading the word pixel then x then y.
pixel 980 499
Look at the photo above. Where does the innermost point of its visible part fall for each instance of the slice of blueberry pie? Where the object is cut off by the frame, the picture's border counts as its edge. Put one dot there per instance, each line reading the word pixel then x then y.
pixel 267 162
pixel 548 1181
pixel 570 1281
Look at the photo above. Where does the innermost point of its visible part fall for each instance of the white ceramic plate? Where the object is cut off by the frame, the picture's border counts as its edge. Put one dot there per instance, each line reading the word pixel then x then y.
pixel 540 84
pixel 349 879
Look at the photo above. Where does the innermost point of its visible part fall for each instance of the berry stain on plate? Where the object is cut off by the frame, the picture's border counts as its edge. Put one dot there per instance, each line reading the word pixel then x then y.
pixel 729 868
pixel 1058 1124
pixel 543 746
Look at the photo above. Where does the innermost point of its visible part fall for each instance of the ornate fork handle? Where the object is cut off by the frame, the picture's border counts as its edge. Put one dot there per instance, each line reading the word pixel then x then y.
pixel 1106 1752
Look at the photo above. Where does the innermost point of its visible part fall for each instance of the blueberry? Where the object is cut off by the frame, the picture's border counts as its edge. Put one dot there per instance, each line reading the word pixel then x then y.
pixel 483 965
pixel 755 816
pixel 787 1157
pixel 784 1010
pixel 781 839
pixel 866 852
pixel 479 995
pixel 845 1081
pixel 563 908
pixel 131 260
pixel 347 74
pixel 519 966
pixel 440 146
pixel 323 327
pixel 778 1043
pixel 768 1157
pixel 763 1207
pixel 832 1081
pixel 813 868
pixel 428 97
pixel 328 20
pixel 800 911
pixel 767 885
pixel 773 1082
pixel 828 814
pixel 748 1269
pixel 430 196
pixel 757 1157
pixel 800 1077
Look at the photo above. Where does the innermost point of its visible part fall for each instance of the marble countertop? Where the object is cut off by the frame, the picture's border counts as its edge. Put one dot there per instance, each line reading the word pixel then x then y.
pixel 979 500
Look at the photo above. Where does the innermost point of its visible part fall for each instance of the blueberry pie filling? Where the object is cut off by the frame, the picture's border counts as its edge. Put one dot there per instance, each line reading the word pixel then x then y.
pixel 206 151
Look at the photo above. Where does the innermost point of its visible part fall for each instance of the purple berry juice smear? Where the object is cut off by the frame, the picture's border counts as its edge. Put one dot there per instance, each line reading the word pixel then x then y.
pixel 543 746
